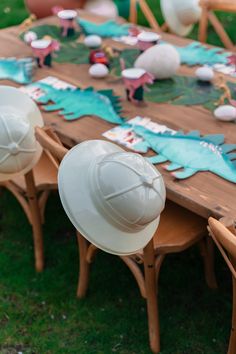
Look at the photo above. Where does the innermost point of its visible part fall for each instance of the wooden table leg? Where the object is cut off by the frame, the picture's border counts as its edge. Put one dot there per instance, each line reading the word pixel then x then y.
pixel 151 291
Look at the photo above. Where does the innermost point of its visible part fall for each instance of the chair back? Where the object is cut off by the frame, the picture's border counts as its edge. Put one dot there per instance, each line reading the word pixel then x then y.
pixel 50 143
pixel 208 15
pixel 225 240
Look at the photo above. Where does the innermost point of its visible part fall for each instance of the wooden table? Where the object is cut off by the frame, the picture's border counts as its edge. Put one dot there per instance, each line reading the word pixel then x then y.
pixel 205 193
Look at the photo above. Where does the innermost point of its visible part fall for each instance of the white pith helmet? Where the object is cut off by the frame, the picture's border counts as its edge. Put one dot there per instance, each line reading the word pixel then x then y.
pixel 19 150
pixel 181 15
pixel 113 197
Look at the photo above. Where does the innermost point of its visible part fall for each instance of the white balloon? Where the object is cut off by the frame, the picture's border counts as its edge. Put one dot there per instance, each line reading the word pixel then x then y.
pixel 102 7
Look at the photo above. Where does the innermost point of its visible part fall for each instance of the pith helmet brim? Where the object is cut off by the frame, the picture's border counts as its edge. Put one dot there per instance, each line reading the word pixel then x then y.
pixel 75 194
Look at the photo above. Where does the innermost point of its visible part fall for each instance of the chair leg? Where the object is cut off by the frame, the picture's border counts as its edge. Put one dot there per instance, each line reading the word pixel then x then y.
pixel 207 252
pixel 84 267
pixel 36 221
pixel 232 341
pixel 203 24
pixel 133 11
pixel 151 291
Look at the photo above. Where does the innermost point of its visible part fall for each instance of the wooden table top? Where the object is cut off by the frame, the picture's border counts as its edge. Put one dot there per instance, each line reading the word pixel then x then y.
pixel 205 193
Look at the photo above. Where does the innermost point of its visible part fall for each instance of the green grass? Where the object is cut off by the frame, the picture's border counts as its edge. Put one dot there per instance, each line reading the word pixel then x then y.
pixel 40 314
pixel 12 12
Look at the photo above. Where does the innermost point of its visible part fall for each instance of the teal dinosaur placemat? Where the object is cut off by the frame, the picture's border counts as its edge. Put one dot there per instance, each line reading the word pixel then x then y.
pixel 17 70
pixel 73 102
pixel 185 153
pixel 106 29
pixel 198 54
pixel 190 153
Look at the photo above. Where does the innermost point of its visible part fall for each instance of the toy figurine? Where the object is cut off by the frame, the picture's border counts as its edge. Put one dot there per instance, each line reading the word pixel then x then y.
pixel 42 50
pixel 134 31
pixel 147 40
pixel 98 56
pixel 232 60
pixel 27 23
pixel 67 20
pixel 135 81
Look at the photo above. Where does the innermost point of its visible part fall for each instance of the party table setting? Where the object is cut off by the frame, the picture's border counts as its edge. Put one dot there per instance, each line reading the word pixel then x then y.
pixel 92 76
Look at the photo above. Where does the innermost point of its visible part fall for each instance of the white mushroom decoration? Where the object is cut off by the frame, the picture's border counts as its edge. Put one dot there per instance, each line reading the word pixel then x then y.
pixel 205 73
pixel 98 71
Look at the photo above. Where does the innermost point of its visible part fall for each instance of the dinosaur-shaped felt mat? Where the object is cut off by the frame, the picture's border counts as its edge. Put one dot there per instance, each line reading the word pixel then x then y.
pixel 189 153
pixel 18 70
pixel 106 29
pixel 75 103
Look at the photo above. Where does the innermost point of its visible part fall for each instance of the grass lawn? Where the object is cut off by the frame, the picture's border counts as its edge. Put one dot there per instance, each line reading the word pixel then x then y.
pixel 40 314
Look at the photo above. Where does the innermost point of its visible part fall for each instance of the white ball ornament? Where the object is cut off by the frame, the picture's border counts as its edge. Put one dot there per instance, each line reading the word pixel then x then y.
pixel 226 113
pixel 105 8
pixel 161 60
pixel 98 71
pixel 30 36
pixel 205 74
pixel 93 41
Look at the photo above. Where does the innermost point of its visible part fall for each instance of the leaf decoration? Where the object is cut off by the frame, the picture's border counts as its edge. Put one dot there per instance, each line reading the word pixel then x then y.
pixel 76 53
pixel 75 103
pixel 184 90
pixel 129 56
pixel 52 31
pixel 106 29
pixel 18 70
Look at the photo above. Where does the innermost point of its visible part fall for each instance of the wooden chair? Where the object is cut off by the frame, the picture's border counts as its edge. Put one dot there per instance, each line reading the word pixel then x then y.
pixel 208 8
pixel 225 240
pixel 32 191
pixel 178 230
pixel 146 11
